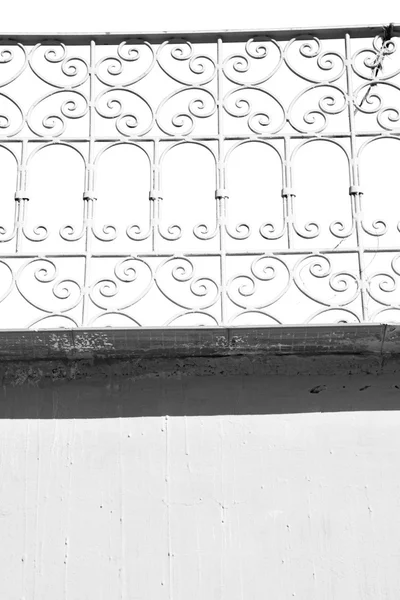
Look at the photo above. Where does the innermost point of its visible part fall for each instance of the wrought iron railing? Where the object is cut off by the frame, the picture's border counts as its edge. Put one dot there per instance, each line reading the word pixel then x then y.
pixel 227 178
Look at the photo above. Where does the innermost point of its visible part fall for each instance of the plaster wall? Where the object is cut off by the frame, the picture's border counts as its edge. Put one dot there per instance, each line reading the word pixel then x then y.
pixel 252 488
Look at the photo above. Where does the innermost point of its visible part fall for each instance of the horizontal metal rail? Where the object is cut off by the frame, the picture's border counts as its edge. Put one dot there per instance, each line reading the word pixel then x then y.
pixel 226 35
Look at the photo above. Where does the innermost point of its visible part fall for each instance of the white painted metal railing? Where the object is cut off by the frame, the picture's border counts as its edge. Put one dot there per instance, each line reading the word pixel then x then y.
pixel 283 145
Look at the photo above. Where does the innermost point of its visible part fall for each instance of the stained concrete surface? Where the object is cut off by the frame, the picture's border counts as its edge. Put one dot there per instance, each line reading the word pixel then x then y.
pixel 118 396
pixel 376 339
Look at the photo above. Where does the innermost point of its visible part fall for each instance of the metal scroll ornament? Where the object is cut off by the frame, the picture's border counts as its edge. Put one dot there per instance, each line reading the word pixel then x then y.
pixel 179 60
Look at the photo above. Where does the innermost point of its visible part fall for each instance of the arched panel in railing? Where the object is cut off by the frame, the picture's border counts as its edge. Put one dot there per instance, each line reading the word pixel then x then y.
pixel 254 180
pixel 188 209
pixel 56 180
pixel 323 213
pixel 122 211
pixel 8 185
pixel 380 183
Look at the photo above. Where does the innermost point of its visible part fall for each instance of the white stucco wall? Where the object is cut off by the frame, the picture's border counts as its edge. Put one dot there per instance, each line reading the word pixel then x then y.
pixel 231 507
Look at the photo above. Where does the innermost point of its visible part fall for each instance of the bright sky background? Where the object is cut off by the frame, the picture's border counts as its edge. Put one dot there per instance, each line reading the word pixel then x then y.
pixel 172 15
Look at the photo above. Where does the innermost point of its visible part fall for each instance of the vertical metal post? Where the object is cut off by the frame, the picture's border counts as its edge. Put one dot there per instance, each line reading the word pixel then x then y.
pixel 155 195
pixel 287 193
pixel 221 194
pixel 89 196
pixel 355 192
pixel 21 198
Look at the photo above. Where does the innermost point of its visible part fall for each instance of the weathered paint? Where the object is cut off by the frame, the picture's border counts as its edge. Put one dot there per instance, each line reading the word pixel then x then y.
pixel 359 339
pixel 37 357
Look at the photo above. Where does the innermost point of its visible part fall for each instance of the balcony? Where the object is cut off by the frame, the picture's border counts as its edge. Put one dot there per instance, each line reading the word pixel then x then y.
pixel 216 179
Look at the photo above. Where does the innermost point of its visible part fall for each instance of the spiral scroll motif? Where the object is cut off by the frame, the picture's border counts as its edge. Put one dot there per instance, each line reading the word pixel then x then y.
pixel 268 281
pixel 7 280
pixel 383 286
pixel 65 293
pixel 341 287
pixel 238 67
pixel 153 247
pixel 200 104
pixel 382 101
pixel 133 274
pixel 132 114
pixel 52 65
pixel 367 62
pixel 11 116
pixel 131 63
pixel 13 61
pixel 45 117
pixel 264 113
pixel 184 64
pixel 326 101
pixel 328 65
pixel 185 289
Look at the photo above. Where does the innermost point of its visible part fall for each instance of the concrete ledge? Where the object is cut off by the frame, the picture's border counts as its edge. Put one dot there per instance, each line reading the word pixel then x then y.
pixel 40 357
pixel 376 339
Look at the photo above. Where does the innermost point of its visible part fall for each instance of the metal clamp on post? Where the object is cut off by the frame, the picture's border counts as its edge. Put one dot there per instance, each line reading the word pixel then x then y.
pixel 89 195
pixel 155 195
pixel 355 189
pixel 221 193
pixel 287 191
pixel 21 195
